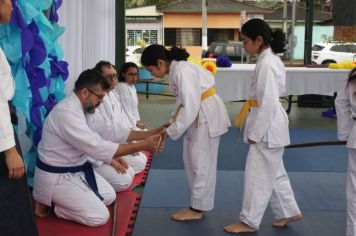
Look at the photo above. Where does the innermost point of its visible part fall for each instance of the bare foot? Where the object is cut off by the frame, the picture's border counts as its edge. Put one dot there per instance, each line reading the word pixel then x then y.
pixel 284 222
pixel 140 125
pixel 239 228
pixel 41 210
pixel 187 214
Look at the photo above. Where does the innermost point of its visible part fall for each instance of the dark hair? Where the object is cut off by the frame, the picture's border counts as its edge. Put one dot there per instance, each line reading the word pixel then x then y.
pixel 124 68
pixel 352 76
pixel 258 27
pixel 155 52
pixel 99 66
pixel 89 79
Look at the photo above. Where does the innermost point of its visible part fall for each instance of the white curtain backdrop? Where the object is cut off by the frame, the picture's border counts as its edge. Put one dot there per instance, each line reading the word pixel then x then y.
pixel 89 35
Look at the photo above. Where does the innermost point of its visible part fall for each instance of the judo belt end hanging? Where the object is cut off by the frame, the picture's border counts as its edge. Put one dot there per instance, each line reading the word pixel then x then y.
pixel 240 119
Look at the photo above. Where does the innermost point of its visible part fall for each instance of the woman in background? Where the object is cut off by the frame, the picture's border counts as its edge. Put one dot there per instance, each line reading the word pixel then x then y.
pixel 126 89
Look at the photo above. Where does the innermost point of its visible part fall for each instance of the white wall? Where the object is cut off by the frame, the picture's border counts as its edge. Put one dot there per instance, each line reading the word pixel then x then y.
pixel 318 31
pixel 89 34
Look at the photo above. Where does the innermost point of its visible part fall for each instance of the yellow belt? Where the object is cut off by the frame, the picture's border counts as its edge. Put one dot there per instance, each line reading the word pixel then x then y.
pixel 210 92
pixel 240 119
pixel 174 118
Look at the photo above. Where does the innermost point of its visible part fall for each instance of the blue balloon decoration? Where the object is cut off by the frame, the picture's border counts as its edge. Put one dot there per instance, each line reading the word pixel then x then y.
pixel 30 44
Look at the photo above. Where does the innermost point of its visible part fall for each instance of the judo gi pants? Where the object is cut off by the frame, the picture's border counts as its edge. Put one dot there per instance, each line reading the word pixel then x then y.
pixel 16 210
pixel 200 152
pixel 120 182
pixel 351 194
pixel 137 161
pixel 74 200
pixel 266 181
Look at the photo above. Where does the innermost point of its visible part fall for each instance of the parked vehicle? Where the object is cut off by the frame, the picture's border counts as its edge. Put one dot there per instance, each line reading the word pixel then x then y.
pixel 133 54
pixel 232 49
pixel 334 52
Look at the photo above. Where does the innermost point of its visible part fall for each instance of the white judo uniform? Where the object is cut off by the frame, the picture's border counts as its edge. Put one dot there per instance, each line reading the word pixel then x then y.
pixel 129 101
pixel 266 179
pixel 7 90
pixel 203 122
pixel 107 121
pixel 345 105
pixel 66 140
pixel 16 209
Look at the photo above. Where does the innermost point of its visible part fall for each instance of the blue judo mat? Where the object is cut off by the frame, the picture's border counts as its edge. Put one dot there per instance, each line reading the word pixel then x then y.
pixel 232 154
pixel 320 195
pixel 317 176
pixel 157 222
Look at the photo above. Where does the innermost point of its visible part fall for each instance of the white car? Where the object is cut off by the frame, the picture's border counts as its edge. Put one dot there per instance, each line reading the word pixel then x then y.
pixel 133 54
pixel 325 53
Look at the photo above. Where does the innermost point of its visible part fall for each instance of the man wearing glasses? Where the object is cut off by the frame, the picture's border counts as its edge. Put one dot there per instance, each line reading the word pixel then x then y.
pixel 111 123
pixel 63 175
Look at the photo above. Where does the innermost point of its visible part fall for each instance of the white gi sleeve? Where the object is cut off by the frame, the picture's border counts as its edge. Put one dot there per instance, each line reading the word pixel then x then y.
pixel 127 103
pixel 344 117
pixel 189 92
pixel 77 133
pixel 268 100
pixel 7 89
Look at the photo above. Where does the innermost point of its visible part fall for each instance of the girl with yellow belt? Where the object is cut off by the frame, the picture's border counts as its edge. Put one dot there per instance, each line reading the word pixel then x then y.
pixel 200 115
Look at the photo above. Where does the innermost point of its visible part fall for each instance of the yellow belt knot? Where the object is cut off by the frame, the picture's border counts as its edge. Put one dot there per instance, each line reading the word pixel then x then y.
pixel 240 119
pixel 210 92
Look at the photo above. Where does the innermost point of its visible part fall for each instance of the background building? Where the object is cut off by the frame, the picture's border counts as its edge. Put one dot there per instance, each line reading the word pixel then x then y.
pixel 344 20
pixel 144 23
pixel 182 22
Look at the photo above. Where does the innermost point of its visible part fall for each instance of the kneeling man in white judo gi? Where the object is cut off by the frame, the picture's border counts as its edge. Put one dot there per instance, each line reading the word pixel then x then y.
pixel 63 176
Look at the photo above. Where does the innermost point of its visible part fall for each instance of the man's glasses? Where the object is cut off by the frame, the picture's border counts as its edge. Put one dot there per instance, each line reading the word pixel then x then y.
pixel 97 95
pixel 112 77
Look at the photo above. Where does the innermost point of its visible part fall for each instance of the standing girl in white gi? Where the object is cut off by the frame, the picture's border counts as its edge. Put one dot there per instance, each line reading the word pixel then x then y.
pixel 267 133
pixel 126 89
pixel 200 114
pixel 345 105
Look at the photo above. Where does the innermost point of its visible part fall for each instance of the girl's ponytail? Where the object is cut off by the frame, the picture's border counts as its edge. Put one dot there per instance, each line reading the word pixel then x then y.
pixel 155 52
pixel 278 41
pixel 258 27
pixel 178 54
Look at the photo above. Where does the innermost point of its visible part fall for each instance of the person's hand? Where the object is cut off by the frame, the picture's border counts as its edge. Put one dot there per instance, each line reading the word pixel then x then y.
pixel 166 125
pixel 14 163
pixel 251 141
pixel 119 164
pixel 164 134
pixel 154 143
pixel 161 128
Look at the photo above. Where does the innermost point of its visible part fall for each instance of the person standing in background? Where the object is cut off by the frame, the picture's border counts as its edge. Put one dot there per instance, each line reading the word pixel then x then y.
pixel 16 212
pixel 345 105
pixel 266 180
